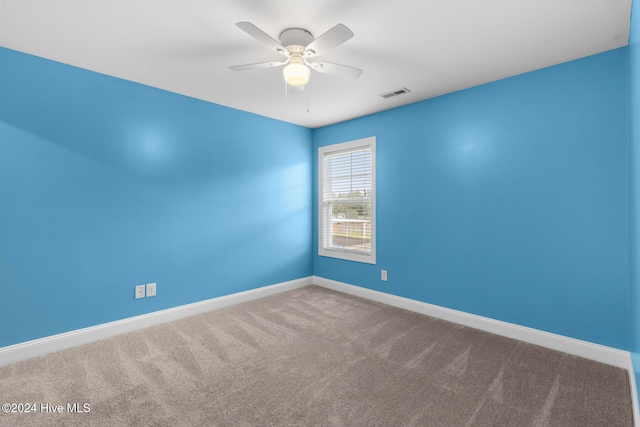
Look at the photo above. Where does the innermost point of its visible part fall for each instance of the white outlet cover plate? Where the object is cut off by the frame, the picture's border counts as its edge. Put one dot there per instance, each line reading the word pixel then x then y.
pixel 151 290
pixel 139 291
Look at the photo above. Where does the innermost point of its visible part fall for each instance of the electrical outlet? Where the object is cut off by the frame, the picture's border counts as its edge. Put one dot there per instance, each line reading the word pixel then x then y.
pixel 151 290
pixel 383 275
pixel 139 291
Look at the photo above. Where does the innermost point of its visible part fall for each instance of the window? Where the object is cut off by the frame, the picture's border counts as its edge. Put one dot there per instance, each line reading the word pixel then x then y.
pixel 347 200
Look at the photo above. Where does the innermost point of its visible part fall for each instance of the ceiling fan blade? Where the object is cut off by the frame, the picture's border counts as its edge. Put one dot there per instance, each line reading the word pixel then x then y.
pixel 262 37
pixel 256 66
pixel 336 69
pixel 327 41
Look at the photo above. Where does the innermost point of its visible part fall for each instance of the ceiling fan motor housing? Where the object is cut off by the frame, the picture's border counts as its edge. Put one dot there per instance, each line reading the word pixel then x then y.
pixel 295 39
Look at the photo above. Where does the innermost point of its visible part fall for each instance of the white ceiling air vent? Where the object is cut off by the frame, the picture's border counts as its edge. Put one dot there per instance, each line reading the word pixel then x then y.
pixel 396 92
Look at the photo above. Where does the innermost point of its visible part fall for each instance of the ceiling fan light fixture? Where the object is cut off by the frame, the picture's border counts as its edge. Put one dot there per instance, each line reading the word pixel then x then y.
pixel 296 73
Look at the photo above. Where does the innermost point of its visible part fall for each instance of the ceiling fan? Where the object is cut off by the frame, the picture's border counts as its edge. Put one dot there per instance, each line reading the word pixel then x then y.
pixel 298 46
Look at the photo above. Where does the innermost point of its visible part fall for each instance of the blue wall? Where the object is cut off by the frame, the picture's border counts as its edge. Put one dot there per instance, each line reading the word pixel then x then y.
pixel 106 184
pixel 634 74
pixel 507 200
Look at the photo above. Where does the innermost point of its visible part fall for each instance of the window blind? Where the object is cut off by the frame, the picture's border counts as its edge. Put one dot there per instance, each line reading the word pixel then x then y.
pixel 347 188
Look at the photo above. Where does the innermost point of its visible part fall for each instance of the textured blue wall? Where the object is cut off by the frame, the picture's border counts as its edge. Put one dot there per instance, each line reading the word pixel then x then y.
pixel 507 200
pixel 106 184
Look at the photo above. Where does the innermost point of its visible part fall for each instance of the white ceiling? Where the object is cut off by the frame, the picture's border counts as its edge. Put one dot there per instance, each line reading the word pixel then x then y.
pixel 432 47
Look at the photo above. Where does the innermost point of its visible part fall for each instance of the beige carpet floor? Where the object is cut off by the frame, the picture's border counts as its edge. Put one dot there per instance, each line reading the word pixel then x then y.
pixel 314 357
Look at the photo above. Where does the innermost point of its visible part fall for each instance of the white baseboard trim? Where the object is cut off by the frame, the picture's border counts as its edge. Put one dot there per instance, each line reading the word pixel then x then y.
pixel 634 392
pixel 597 352
pixel 46 345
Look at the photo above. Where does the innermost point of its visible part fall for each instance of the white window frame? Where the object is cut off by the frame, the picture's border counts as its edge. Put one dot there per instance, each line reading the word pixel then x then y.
pixel 345 254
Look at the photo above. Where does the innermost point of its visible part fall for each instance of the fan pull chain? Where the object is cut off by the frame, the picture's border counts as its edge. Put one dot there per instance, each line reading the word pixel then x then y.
pixel 286 99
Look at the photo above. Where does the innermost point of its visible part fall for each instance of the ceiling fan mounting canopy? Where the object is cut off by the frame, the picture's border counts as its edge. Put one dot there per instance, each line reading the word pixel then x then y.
pixel 297 45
